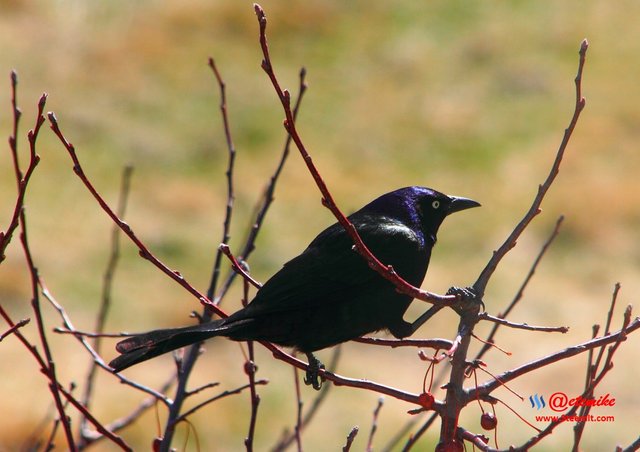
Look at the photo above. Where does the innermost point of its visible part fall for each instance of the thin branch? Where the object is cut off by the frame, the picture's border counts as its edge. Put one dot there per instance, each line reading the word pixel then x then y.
pixel 49 369
pixel 350 438
pixel 522 326
pixel 15 327
pixel 267 198
pixel 43 367
pixel 303 421
pixel 633 447
pixel 437 344
pixel 106 297
pixel 238 390
pixel 22 181
pixel 385 271
pixel 619 337
pixel 595 377
pixel 191 356
pixel 491 338
pixel 251 369
pixel 91 436
pixel 569 352
pixel 374 423
pixel 90 334
pixel 143 250
pixel 534 210
pixel 226 225
pixel 237 266
pixel 421 431
pixel 97 358
pixel 13 139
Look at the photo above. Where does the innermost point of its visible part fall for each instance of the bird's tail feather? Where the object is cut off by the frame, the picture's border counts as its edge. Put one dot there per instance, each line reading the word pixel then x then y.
pixel 142 347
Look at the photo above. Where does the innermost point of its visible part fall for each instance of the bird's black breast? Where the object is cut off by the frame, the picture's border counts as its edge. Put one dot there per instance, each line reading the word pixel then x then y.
pixel 329 294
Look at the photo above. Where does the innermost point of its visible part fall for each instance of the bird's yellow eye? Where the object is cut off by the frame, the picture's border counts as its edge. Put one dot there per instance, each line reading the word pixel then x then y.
pixel 435 204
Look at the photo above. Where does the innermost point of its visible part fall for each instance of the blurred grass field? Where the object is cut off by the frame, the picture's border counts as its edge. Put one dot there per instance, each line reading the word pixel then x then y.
pixel 470 98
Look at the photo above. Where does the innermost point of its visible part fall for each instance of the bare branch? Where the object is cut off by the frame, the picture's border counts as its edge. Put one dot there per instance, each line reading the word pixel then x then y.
pixel 226 225
pixel 374 423
pixel 534 210
pixel 437 344
pixel 350 437
pixel 106 297
pixel 144 251
pixel 13 328
pixel 522 326
pixel 491 338
pixel 569 352
pixel 327 199
pixel 237 266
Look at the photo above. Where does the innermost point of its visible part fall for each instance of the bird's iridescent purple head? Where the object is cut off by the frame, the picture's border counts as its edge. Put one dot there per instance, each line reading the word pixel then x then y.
pixel 420 207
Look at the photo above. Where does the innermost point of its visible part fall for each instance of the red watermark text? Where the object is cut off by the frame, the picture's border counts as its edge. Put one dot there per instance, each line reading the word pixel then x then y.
pixel 559 401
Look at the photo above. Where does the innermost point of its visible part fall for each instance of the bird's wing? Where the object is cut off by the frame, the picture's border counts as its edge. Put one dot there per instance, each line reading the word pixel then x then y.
pixel 330 270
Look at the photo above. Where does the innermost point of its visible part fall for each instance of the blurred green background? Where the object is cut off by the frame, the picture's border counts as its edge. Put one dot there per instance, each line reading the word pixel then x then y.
pixel 470 98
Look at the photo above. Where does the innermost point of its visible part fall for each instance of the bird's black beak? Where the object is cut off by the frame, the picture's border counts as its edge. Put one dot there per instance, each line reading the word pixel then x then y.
pixel 458 203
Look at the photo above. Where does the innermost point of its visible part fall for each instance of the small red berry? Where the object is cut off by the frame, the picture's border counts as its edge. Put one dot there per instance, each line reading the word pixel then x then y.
pixel 488 421
pixel 426 400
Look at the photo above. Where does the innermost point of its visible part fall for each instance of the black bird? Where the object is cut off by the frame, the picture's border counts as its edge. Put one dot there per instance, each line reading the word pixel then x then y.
pixel 328 294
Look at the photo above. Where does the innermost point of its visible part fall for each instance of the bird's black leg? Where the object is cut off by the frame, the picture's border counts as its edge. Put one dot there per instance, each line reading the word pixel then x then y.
pixel 313 377
pixel 466 295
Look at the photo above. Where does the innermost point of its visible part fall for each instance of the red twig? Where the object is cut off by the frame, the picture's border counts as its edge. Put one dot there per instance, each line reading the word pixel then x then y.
pixel 176 276
pixel 385 271
pixel 350 437
pixel 490 339
pixel 22 181
pixel 143 250
pixel 569 352
pixel 237 266
pixel 437 344
pixel 49 368
pixel 510 242
pixel 522 326
pixel 14 328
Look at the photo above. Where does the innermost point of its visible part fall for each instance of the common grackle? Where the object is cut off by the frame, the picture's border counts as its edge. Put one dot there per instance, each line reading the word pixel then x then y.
pixel 328 294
